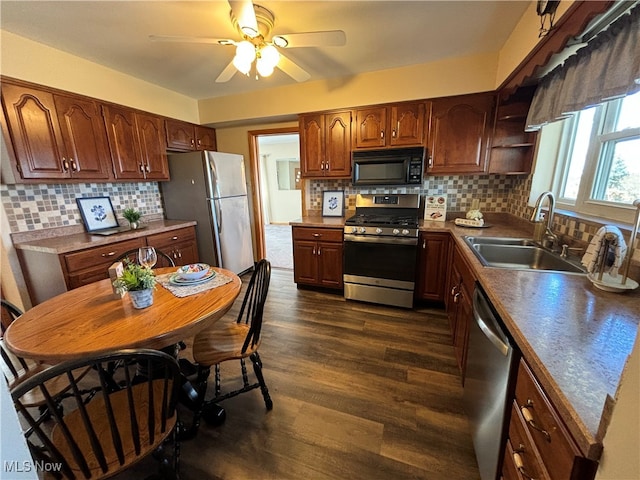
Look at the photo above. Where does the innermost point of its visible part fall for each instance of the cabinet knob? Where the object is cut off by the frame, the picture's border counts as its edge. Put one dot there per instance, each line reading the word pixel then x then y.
pixel 174 238
pixel 316 235
pixel 381 133
pixel 424 244
pixel 528 417
pixel 519 463
pixel 319 251
pixel 65 164
pixel 74 167
pixel 142 167
pixel 147 168
pixel 110 254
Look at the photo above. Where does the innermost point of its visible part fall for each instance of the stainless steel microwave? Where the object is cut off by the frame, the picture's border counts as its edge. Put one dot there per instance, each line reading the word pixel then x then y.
pixel 400 166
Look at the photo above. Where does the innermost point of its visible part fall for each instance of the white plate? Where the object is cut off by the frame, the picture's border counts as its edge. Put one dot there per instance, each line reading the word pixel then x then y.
pixel 176 280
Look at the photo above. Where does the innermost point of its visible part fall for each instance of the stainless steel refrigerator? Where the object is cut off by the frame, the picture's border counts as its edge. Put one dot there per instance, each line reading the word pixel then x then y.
pixel 210 188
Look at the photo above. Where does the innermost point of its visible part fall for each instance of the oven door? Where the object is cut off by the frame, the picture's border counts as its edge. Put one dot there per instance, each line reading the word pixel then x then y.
pixel 389 259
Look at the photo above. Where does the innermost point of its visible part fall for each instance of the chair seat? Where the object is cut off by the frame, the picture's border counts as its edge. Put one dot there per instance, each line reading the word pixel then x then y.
pixel 96 413
pixel 221 343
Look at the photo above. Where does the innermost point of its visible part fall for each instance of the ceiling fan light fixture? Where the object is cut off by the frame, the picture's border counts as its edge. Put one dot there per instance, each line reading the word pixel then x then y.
pixel 245 52
pixel 270 55
pixel 264 68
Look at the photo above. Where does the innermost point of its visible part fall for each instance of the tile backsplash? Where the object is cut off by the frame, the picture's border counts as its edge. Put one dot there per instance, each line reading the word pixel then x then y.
pixel 35 207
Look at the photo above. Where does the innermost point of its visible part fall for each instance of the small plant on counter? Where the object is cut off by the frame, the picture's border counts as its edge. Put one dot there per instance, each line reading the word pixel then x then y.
pixel 134 278
pixel 131 214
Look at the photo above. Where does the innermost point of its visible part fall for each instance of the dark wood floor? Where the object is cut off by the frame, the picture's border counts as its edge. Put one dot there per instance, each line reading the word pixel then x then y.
pixel 360 392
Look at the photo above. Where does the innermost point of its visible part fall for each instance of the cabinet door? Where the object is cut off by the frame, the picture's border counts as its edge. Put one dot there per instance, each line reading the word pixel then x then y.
pixel 312 145
pixel 370 129
pixel 35 132
pixel 205 138
pixel 337 128
pixel 185 253
pixel 84 136
pixel 407 124
pixel 330 264
pixel 152 146
pixel 180 136
pixel 432 264
pixel 459 133
pixel 461 336
pixel 124 145
pixel 305 264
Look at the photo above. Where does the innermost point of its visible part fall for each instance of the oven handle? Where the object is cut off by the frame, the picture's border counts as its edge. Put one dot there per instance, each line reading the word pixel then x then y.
pixel 385 240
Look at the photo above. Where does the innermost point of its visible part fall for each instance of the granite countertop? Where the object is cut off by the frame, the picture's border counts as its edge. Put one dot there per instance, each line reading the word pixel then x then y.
pixel 320 221
pixel 575 337
pixel 57 242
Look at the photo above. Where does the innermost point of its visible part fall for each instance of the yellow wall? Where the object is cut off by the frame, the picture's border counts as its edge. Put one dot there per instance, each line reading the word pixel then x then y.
pixel 35 62
pixel 436 79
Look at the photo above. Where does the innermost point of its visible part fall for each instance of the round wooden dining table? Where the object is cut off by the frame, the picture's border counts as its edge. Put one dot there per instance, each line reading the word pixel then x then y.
pixel 89 320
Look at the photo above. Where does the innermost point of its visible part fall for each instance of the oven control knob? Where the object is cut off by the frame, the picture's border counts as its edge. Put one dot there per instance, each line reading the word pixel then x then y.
pixel 354 229
pixel 362 230
pixel 378 231
pixel 396 231
pixel 405 232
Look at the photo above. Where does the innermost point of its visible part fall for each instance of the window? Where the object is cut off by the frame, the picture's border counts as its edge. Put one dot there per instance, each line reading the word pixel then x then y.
pixel 598 168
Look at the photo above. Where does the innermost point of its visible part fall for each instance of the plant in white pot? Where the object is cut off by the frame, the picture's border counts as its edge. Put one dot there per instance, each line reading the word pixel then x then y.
pixel 139 281
pixel 133 216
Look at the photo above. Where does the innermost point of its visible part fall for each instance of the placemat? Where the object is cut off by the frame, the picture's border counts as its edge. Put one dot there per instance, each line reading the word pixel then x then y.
pixel 185 290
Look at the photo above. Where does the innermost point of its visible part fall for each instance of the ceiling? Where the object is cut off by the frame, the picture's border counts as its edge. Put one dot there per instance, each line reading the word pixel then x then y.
pixel 380 35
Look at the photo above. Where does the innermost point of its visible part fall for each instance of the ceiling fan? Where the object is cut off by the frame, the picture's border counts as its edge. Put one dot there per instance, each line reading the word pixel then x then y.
pixel 254 24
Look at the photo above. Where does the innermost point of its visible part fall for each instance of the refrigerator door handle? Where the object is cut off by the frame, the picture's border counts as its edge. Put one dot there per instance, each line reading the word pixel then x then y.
pixel 213 179
pixel 219 215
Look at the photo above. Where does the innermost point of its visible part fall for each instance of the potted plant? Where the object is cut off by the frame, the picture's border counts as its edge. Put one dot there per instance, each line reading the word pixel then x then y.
pixel 133 216
pixel 139 281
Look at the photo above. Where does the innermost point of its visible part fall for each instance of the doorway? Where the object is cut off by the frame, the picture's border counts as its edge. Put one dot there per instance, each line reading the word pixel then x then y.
pixel 276 172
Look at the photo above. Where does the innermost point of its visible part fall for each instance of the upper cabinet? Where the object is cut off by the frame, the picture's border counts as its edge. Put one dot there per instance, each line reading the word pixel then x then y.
pixel 137 144
pixel 512 148
pixel 187 137
pixel 55 136
pixel 325 144
pixel 459 133
pixel 395 125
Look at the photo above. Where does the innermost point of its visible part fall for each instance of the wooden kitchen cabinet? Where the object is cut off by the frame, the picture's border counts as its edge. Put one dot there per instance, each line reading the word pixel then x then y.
pixel 512 148
pixel 180 245
pixel 137 143
pixel 458 298
pixel 317 256
pixel 395 125
pixel 187 137
pixel 433 252
pixel 325 144
pixel 539 437
pixel 459 133
pixel 55 137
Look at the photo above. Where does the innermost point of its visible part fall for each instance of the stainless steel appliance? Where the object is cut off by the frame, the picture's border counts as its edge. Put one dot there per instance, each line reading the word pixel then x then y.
pixel 399 166
pixel 490 378
pixel 380 248
pixel 210 187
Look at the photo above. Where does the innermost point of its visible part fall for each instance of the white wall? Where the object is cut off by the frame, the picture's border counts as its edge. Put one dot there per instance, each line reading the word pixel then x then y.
pixel 284 205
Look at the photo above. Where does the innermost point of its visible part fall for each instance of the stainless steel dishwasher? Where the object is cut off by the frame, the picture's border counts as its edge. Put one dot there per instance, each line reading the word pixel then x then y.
pixel 489 383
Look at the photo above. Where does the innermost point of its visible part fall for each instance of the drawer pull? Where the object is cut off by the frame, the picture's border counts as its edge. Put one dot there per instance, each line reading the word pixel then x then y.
pixel 110 254
pixel 174 238
pixel 316 235
pixel 528 417
pixel 517 460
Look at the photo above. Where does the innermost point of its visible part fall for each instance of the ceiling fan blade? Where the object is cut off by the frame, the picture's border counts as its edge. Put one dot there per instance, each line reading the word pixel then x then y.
pixel 293 70
pixel 329 38
pixel 246 16
pixel 177 38
pixel 226 74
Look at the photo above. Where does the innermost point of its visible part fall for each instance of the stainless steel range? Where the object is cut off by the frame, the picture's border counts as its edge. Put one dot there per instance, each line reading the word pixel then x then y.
pixel 380 248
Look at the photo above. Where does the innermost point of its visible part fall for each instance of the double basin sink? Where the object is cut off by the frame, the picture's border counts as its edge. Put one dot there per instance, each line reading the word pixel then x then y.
pixel 520 254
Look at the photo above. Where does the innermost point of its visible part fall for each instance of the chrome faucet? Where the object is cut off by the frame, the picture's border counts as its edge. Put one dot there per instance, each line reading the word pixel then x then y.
pixel 549 239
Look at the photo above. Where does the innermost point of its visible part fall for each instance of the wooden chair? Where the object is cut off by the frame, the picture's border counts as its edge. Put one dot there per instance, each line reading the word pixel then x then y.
pixel 17 369
pixel 116 428
pixel 164 260
pixel 235 340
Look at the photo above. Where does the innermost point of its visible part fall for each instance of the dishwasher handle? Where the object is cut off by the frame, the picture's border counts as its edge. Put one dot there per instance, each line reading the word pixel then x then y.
pixel 488 324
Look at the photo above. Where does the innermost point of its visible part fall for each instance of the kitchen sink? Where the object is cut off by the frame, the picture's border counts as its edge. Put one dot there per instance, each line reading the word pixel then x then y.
pixel 519 254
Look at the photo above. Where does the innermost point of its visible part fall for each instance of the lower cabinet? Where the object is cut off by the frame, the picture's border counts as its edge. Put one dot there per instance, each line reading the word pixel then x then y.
pixel 317 256
pixel 458 300
pixel 48 274
pixel 539 445
pixel 433 252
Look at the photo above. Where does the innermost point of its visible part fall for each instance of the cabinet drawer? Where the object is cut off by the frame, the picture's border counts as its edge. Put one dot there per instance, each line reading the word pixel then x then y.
pixel 99 256
pixel 85 277
pixel 317 234
pixel 165 240
pixel 522 445
pixel 556 447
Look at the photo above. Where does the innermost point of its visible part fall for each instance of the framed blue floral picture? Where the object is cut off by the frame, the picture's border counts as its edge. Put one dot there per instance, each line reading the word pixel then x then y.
pixel 333 203
pixel 97 213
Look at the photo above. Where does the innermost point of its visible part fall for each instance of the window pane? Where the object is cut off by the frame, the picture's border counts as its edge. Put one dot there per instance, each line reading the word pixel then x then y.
pixel 629 112
pixel 619 178
pixel 578 154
